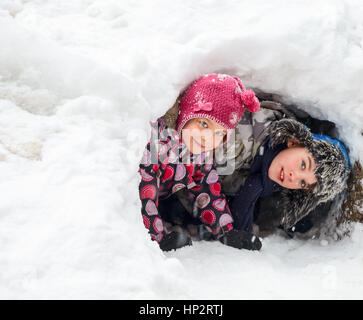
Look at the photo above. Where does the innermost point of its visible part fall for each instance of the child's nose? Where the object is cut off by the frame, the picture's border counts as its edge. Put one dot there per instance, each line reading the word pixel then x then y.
pixel 295 177
pixel 292 176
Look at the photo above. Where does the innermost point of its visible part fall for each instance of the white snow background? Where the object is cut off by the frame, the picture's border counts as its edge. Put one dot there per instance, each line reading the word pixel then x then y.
pixel 79 82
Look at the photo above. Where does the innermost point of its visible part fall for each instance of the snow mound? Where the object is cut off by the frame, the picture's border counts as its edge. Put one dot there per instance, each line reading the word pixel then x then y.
pixel 79 81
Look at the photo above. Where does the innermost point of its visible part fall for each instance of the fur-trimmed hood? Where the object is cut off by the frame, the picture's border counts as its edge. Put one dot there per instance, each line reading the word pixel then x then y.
pixel 332 169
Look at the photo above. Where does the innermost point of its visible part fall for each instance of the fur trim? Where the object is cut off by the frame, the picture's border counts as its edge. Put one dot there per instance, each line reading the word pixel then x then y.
pixel 331 171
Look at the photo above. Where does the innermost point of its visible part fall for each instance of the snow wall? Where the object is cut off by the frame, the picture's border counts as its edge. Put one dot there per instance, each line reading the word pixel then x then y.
pixel 79 82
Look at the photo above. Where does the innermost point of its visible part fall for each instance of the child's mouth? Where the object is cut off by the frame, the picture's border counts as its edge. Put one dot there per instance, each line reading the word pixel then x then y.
pixel 282 175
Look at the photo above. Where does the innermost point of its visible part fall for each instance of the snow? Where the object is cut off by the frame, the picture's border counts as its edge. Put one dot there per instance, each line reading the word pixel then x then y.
pixel 79 81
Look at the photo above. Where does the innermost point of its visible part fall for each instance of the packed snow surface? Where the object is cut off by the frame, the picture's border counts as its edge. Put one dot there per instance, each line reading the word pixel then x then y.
pixel 79 82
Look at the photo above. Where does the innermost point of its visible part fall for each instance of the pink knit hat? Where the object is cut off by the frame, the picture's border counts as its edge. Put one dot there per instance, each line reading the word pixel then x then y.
pixel 218 97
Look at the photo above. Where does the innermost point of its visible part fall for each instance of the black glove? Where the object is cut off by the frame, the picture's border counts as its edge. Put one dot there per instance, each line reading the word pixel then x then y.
pixel 241 240
pixel 175 240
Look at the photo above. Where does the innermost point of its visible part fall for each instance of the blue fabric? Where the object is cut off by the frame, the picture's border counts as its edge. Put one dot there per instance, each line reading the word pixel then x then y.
pixel 336 143
pixel 257 185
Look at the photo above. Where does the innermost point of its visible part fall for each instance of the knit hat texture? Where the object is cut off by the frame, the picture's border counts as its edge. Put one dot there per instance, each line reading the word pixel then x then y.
pixel 332 169
pixel 218 97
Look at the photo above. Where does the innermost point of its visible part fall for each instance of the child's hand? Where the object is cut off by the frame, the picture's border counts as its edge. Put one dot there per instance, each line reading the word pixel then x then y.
pixel 175 240
pixel 241 240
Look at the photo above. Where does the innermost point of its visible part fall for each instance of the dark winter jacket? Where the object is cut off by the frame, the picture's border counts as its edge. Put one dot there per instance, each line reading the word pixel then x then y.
pixel 257 185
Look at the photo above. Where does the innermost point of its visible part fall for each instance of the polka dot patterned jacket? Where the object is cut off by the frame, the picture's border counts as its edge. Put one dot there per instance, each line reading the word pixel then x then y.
pixel 167 167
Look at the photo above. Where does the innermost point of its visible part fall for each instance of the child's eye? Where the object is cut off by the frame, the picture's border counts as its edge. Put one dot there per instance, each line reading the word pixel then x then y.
pixel 203 124
pixel 220 133
pixel 303 184
pixel 303 165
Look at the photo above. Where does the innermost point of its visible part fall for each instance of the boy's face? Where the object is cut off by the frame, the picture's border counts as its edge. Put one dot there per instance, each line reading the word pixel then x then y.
pixel 202 135
pixel 293 168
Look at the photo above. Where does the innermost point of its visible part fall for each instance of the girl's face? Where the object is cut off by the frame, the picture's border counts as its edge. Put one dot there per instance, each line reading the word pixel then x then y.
pixel 293 168
pixel 202 135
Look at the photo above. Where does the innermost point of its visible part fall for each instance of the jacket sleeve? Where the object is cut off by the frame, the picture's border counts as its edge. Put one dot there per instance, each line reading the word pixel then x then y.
pixel 243 205
pixel 210 204
pixel 261 121
pixel 149 195
pixel 158 168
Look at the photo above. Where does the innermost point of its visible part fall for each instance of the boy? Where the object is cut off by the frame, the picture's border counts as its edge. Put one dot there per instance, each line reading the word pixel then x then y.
pixel 311 169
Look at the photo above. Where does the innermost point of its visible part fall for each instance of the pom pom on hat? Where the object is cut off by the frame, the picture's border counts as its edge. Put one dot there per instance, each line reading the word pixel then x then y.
pixel 248 97
pixel 250 100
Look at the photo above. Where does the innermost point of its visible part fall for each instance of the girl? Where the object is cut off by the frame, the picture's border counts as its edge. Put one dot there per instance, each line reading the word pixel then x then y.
pixel 183 159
